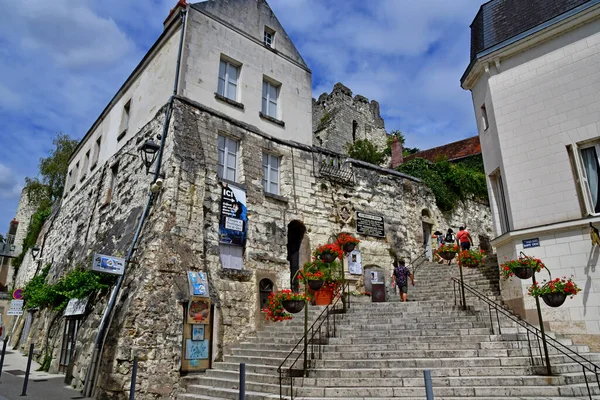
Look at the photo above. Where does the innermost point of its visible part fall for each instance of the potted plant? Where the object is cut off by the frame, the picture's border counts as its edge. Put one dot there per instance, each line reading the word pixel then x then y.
pixel 328 252
pixel 447 251
pixel 555 292
pixel 274 309
pixel 471 258
pixel 314 273
pixel 347 242
pixel 523 267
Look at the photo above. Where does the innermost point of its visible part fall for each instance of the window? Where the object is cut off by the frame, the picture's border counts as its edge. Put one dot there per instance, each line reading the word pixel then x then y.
pixel 500 197
pixel 86 163
pixel 228 80
pixel 228 155
pixel 270 179
pixel 269 99
pixel 231 256
pixel 69 180
pixel 590 170
pixel 484 118
pixel 125 120
pixel 354 129
pixel 75 173
pixel 269 37
pixel 265 287
pixel 96 152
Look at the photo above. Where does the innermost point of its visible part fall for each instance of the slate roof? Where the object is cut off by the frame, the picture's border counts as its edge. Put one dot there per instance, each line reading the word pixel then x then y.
pixel 453 151
pixel 499 20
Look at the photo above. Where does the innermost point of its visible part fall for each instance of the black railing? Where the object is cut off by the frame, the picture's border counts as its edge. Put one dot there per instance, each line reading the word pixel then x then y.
pixel 533 333
pixel 317 335
pixel 418 262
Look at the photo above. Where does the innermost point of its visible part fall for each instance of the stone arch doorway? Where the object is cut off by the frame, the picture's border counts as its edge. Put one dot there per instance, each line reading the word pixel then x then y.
pixel 427 224
pixel 298 248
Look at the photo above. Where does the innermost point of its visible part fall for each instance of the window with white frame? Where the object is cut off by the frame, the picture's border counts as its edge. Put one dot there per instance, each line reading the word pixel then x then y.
pixel 228 79
pixel 228 158
pixel 269 37
pixel 269 99
pixel 231 256
pixel 96 155
pixel 86 164
pixel 484 118
pixel 270 179
pixel 500 199
pixel 590 176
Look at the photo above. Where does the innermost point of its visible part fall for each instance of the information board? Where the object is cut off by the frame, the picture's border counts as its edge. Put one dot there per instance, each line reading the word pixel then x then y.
pixel 15 308
pixel 370 224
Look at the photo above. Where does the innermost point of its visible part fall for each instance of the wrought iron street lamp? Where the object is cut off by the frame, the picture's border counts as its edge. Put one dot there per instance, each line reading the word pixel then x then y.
pixel 149 151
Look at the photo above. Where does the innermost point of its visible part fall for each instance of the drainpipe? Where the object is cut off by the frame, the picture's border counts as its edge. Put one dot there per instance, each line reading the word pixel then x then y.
pixel 92 373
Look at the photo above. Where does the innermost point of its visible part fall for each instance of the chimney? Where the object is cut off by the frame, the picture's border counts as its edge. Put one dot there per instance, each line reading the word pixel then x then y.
pixel 397 158
pixel 174 13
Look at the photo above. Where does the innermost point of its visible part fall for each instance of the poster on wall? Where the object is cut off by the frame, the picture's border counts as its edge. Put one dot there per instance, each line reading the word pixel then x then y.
pixel 197 332
pixel 355 262
pixel 196 350
pixel 199 310
pixel 198 283
pixel 234 217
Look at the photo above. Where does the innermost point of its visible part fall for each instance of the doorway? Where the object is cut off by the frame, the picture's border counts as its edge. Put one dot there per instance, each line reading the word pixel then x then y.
pixel 298 248
pixel 68 343
pixel 427 240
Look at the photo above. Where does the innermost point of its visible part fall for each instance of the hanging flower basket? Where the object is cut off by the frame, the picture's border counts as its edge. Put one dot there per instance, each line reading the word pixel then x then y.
pixel 447 255
pixel 471 258
pixel 293 306
pixel 315 284
pixel 347 242
pixel 555 292
pixel 523 267
pixel 447 251
pixel 554 299
pixel 328 252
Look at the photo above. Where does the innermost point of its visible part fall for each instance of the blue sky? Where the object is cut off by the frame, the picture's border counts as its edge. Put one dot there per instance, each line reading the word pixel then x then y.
pixel 61 62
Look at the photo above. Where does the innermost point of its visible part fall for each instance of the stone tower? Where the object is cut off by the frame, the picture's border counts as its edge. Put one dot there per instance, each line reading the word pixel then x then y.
pixel 340 119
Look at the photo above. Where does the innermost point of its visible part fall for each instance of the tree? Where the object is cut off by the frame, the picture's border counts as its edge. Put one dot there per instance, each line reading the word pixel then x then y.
pixel 53 171
pixel 366 151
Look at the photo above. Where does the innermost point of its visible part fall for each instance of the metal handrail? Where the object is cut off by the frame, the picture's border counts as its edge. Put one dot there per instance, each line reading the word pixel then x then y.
pixel 421 259
pixel 561 348
pixel 314 329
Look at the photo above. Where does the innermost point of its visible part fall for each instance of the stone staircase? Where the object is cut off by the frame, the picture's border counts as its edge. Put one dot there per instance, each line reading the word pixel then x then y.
pixel 381 350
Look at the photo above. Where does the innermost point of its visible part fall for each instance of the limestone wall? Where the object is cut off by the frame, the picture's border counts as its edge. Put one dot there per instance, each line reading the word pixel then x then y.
pixel 181 234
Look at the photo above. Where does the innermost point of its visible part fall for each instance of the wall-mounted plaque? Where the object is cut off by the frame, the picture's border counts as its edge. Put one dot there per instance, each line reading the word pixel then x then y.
pixel 370 224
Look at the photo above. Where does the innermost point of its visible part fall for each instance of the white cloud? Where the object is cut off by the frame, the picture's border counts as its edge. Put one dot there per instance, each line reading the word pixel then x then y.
pixel 9 185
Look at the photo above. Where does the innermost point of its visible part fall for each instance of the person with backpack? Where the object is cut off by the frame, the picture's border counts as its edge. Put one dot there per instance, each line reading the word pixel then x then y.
pixel 450 238
pixel 401 275
pixel 463 238
pixel 439 236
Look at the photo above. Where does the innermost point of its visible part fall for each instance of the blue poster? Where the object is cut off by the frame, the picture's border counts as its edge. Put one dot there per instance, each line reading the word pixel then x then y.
pixel 234 215
pixel 196 350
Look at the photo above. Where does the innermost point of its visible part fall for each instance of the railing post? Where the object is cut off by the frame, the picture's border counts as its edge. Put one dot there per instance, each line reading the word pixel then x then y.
pixel 428 384
pixel 3 352
pixel 133 376
pixel 539 310
pixel 24 393
pixel 462 286
pixel 243 381
pixel 305 336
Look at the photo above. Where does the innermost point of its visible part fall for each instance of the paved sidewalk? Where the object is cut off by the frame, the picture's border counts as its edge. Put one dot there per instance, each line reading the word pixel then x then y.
pixel 41 385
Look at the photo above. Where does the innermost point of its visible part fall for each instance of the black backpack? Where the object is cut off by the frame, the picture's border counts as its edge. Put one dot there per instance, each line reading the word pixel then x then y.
pixel 449 238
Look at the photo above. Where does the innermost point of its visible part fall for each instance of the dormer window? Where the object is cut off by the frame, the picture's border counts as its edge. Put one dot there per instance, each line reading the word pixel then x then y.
pixel 269 37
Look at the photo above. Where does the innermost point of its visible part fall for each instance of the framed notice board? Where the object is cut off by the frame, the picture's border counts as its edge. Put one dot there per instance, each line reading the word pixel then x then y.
pixel 197 341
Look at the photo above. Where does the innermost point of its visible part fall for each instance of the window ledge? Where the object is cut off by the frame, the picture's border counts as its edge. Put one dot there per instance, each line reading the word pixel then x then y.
pixel 229 101
pixel 237 184
pixel 82 178
pixel 93 166
pixel 276 197
pixel 122 135
pixel 271 119
pixel 273 49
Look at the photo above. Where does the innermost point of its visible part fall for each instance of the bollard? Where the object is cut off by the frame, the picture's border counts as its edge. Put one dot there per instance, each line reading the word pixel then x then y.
pixel 133 375
pixel 27 370
pixel 242 381
pixel 3 353
pixel 428 384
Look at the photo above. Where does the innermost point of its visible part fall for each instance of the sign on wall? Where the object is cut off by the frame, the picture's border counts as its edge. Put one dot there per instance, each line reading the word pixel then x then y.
pixel 76 307
pixel 15 308
pixel 370 224
pixel 528 243
pixel 199 310
pixel 18 294
pixel 355 263
pixel 108 264
pixel 234 217
pixel 198 283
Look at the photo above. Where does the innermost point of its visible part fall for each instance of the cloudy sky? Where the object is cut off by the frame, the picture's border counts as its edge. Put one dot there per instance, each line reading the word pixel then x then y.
pixel 61 62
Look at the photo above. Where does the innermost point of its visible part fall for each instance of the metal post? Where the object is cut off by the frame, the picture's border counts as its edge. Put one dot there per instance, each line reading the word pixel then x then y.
pixel 27 370
pixel 242 381
pixel 428 384
pixel 462 285
pixel 343 287
pixel 305 333
pixel 539 310
pixel 133 376
pixel 3 352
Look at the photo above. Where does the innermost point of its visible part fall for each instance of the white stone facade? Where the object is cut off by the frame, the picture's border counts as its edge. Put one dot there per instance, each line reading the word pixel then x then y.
pixel 540 94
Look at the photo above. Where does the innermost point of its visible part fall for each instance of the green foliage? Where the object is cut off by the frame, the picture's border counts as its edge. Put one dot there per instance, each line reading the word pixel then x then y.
pixel 366 151
pixel 53 171
pixel 33 231
pixel 76 284
pixel 45 365
pixel 449 182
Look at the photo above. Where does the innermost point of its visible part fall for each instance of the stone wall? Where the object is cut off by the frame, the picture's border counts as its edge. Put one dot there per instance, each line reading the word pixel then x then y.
pixel 181 234
pixel 340 119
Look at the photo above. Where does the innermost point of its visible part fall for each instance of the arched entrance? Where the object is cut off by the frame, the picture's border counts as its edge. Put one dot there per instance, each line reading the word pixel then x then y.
pixel 298 247
pixel 427 226
pixel 265 287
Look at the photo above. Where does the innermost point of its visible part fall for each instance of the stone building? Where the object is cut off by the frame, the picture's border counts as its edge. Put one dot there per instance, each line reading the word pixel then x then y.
pixel 339 119
pixel 239 119
pixel 534 80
